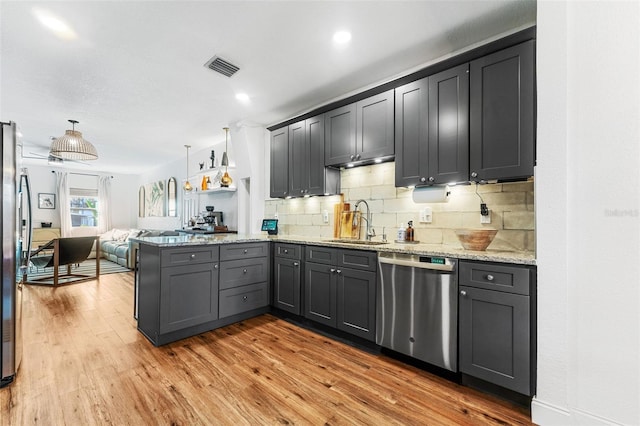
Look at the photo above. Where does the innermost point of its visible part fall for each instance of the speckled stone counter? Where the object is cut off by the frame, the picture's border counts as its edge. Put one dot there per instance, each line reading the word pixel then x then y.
pixel 522 258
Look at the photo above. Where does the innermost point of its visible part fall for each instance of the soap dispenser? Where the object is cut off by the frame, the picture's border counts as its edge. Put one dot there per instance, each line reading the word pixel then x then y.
pixel 409 231
pixel 402 233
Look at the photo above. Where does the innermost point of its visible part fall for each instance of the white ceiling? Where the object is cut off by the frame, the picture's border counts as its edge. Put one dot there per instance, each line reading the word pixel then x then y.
pixel 134 76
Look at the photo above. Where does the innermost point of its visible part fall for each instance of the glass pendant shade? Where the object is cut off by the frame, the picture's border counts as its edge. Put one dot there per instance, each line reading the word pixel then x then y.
pixel 72 146
pixel 225 180
pixel 187 186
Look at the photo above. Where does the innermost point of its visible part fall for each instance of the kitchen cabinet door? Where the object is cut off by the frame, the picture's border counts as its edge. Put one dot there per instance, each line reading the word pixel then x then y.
pixel 412 133
pixel 279 174
pixel 449 126
pixel 320 180
pixel 320 293
pixel 340 135
pixel 374 136
pixel 287 275
pixel 188 296
pixel 356 303
pixel 502 137
pixel 495 337
pixel 298 159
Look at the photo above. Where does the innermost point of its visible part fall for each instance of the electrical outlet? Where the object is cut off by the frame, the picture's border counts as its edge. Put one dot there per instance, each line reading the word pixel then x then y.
pixel 325 216
pixel 486 218
pixel 426 215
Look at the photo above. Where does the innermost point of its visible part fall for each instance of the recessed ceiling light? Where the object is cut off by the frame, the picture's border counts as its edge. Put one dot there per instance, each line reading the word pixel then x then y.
pixel 55 24
pixel 341 37
pixel 242 97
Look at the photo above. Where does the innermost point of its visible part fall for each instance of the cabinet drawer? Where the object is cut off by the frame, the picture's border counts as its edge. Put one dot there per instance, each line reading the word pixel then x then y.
pixel 288 251
pixel 243 251
pixel 189 255
pixel 321 255
pixel 235 273
pixel 237 300
pixel 491 276
pixel 358 259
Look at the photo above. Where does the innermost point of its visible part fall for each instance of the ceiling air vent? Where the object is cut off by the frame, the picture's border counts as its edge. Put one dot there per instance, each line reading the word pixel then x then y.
pixel 222 66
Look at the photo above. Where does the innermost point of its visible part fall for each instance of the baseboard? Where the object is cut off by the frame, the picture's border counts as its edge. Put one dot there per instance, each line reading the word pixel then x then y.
pixel 543 413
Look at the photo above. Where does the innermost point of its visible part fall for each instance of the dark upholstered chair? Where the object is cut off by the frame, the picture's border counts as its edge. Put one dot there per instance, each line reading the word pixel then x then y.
pixel 65 251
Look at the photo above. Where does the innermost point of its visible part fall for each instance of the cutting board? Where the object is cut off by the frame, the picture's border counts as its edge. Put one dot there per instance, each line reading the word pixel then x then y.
pixel 350 224
pixel 337 213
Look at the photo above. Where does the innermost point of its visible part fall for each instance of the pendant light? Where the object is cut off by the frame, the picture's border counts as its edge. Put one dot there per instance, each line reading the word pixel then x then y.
pixel 187 186
pixel 225 180
pixel 72 146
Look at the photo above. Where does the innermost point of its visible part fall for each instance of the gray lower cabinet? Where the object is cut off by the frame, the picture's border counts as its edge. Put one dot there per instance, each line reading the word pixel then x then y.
pixel 185 291
pixel 340 289
pixel 496 324
pixel 287 277
pixel 244 278
pixel 178 290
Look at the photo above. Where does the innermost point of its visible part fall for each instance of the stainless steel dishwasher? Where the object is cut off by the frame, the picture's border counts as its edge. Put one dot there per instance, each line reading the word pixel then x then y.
pixel 417 307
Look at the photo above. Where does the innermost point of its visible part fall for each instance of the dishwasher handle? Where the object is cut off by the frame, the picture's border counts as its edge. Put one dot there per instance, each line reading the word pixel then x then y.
pixel 414 264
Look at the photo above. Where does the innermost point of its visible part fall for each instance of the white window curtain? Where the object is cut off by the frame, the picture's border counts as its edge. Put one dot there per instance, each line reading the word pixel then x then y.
pixel 104 204
pixel 62 191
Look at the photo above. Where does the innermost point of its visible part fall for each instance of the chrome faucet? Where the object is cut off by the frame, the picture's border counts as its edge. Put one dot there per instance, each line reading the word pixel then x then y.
pixel 370 231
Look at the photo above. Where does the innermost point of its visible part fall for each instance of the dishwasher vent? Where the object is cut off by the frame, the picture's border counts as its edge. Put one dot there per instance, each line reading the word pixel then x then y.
pixel 222 66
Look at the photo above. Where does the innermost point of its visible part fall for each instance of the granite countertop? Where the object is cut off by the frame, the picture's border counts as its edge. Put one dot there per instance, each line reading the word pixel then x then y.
pixel 523 258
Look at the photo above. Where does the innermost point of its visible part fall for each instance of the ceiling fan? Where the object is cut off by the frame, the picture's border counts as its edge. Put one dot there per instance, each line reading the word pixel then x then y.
pixel 51 158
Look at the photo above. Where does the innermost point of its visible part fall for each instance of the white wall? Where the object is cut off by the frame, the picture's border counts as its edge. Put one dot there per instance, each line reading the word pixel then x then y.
pixel 240 209
pixel 124 195
pixel 588 213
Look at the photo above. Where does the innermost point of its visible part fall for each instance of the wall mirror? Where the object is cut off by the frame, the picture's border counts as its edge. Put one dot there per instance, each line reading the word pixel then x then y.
pixel 172 197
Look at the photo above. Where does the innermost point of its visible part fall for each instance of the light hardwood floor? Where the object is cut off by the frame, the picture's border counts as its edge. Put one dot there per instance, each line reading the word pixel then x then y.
pixel 85 363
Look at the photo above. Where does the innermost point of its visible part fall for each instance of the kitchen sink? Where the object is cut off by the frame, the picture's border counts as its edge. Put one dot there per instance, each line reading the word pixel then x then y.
pixel 357 242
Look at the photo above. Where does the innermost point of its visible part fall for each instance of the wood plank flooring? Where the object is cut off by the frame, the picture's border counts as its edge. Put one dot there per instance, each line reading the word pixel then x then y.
pixel 84 363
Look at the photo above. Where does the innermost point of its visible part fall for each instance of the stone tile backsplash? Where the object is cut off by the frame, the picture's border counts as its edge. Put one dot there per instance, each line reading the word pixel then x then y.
pixel 511 206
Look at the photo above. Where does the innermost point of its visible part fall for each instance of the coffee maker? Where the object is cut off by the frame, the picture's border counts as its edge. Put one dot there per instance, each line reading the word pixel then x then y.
pixel 210 217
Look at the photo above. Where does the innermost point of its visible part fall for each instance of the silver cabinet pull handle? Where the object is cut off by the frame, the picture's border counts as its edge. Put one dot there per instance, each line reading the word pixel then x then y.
pixel 463 293
pixel 215 266
pixel 193 256
pixel 338 271
pixel 474 174
pixel 244 271
pixel 244 298
pixel 332 269
pixel 431 179
pixel 490 277
pixel 296 264
pixel 286 251
pixel 245 251
pixel 422 179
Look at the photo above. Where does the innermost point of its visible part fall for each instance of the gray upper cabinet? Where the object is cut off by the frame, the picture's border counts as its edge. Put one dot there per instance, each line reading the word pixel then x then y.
pixel 297 161
pixel 361 131
pixel 432 129
pixel 502 142
pixel 340 135
pixel 412 133
pixel 449 125
pixel 279 185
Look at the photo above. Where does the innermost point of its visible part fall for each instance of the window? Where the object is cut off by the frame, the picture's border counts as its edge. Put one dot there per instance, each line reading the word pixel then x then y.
pixel 83 207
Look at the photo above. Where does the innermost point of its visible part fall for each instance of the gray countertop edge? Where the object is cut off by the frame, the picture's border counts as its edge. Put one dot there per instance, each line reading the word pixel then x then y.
pixel 514 257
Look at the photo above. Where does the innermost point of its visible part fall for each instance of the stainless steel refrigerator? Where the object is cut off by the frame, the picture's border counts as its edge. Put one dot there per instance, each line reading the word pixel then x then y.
pixel 16 244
